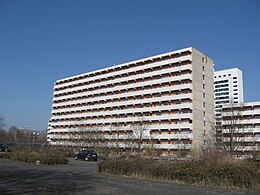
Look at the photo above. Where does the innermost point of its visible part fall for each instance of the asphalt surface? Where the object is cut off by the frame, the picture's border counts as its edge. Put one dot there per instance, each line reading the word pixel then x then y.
pixel 80 177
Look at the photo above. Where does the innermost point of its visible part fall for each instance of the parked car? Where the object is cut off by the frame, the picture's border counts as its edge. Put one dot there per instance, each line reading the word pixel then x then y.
pixel 86 155
pixel 5 147
pixel 2 148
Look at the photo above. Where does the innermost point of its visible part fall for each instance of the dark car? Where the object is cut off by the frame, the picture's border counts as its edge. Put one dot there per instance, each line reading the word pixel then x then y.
pixel 2 148
pixel 5 147
pixel 86 155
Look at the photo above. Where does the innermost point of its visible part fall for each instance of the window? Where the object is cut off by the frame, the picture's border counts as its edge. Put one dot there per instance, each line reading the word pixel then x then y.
pixel 185 132
pixel 185 122
pixel 187 111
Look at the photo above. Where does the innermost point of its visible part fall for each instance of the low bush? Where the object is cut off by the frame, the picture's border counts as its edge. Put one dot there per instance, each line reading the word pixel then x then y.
pixel 46 158
pixel 197 172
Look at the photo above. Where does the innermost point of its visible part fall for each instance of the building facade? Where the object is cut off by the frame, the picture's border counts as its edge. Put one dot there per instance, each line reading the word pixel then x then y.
pixel 171 93
pixel 241 127
pixel 228 89
pixel 228 86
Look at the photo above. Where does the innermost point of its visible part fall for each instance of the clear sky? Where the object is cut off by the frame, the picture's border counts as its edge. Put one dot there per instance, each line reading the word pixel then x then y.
pixel 43 41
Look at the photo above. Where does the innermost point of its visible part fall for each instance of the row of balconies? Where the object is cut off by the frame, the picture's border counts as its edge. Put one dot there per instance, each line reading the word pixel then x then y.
pixel 123 87
pixel 121 81
pixel 241 110
pixel 126 95
pixel 227 123
pixel 115 114
pixel 133 102
pixel 248 148
pixel 158 127
pixel 103 112
pixel 252 130
pixel 125 128
pixel 250 112
pixel 243 113
pixel 124 137
pixel 121 72
pixel 242 139
pixel 179 117
pixel 158 117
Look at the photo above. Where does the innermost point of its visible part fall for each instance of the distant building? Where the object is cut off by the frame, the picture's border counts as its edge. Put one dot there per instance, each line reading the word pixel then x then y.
pixel 228 86
pixel 172 93
pixel 25 135
pixel 228 89
pixel 242 128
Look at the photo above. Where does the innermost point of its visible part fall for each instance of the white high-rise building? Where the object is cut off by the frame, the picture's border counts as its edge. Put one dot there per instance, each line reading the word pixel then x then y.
pixel 172 93
pixel 228 87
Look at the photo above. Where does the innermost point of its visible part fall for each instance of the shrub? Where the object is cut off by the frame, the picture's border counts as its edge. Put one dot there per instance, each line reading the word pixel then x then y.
pixel 197 172
pixel 44 157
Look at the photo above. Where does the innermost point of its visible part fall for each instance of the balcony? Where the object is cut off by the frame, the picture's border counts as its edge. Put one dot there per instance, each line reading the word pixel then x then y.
pixel 173 146
pixel 248 148
pixel 172 136
pixel 171 126
pixel 243 139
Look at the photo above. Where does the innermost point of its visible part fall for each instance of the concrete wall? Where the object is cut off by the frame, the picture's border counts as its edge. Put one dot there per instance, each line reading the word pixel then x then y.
pixel 202 123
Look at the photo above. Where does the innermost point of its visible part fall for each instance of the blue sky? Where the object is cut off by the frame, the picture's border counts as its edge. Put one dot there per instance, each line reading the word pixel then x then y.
pixel 42 41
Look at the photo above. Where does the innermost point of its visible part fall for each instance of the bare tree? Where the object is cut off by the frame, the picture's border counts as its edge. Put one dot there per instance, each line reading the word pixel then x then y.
pixel 151 150
pixel 2 130
pixel 230 130
pixel 2 123
pixel 130 141
pixel 116 137
pixel 141 132
pixel 183 149
pixel 90 137
pixel 13 131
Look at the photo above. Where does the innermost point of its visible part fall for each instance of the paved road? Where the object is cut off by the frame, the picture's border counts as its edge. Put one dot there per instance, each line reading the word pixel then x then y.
pixel 80 177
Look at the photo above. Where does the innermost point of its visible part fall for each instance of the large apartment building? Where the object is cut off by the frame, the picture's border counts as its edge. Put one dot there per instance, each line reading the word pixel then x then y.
pixel 171 93
pixel 241 127
pixel 228 88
